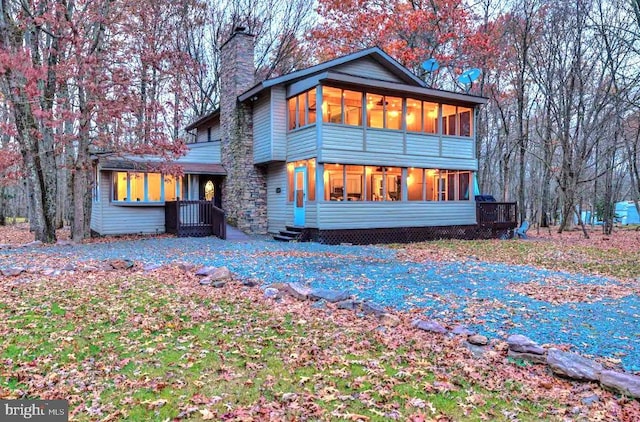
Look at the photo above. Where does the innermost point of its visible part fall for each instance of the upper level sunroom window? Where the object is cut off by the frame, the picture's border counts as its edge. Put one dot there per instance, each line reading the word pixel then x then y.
pixel 302 109
pixel 378 111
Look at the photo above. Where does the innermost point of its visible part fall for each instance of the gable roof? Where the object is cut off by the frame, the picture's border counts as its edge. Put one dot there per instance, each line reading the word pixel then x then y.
pixel 205 118
pixel 374 53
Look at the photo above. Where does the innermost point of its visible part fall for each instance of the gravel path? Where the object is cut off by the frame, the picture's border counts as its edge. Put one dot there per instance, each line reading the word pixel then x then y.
pixel 479 294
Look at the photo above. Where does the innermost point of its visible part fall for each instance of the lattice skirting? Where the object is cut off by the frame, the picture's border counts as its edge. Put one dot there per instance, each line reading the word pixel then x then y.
pixel 401 234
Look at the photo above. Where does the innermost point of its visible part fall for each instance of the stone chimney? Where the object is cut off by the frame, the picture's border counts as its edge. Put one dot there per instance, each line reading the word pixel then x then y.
pixel 244 191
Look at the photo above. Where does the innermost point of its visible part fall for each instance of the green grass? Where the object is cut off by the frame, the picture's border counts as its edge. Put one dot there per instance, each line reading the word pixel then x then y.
pixel 143 350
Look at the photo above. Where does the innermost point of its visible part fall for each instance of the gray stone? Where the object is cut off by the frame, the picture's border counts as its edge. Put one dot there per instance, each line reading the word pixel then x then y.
pixel 205 281
pixel 270 292
pixel 431 326
pixel 70 267
pixel 205 271
pixel 573 366
pixel 390 320
pixel 186 266
pixel 477 351
pixel 220 273
pixel 320 304
pixel 218 284
pixel 34 243
pixel 478 340
pixel 530 357
pixel 462 330
pixel 287 397
pixel 297 291
pixel 51 272
pixel 332 296
pixel 151 267
pixel 250 283
pixel 588 401
pixel 626 384
pixel 12 271
pixel 372 308
pixel 64 242
pixel 523 344
pixel 349 304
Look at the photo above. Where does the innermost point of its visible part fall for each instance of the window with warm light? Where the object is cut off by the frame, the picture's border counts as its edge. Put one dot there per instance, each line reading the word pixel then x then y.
pixel 334 182
pixel 375 111
pixel 384 183
pixel 302 109
pixel 393 113
pixel 355 183
pixel 331 105
pixel 414 115
pixel 415 184
pixel 430 117
pixel 145 187
pixel 352 108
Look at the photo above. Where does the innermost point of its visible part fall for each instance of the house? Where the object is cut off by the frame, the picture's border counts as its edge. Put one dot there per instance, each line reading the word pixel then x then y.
pixel 357 149
pixel 626 213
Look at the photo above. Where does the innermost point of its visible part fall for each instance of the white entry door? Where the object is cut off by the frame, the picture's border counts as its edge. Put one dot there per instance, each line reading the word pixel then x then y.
pixel 300 195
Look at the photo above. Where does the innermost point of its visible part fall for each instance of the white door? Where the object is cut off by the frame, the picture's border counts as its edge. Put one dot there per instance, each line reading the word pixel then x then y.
pixel 300 195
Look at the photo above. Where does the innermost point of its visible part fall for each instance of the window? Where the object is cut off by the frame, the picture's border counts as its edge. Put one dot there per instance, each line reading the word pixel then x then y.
pixel 393 113
pixel 334 182
pixel 384 183
pixel 352 108
pixel 355 183
pixel 302 109
pixel 465 115
pixel 431 179
pixel 464 179
pixel 449 125
pixel 375 111
pixel 415 184
pixel 430 116
pixel 414 115
pixel 331 105
pixel 145 187
pixel 311 178
pixel 208 134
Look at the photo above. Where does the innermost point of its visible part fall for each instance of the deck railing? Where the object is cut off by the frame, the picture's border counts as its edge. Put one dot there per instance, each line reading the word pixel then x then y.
pixel 498 215
pixel 194 219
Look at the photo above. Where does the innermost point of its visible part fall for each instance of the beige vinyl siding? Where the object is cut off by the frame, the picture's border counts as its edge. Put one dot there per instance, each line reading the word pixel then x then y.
pixel 368 68
pixel 262 130
pixel 208 152
pixel 385 141
pixel 117 219
pixel 423 144
pixel 277 202
pixel 301 143
pixel 278 123
pixel 457 147
pixel 363 215
pixel 339 137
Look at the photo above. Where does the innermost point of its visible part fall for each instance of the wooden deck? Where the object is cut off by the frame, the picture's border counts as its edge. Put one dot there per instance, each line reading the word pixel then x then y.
pixel 194 219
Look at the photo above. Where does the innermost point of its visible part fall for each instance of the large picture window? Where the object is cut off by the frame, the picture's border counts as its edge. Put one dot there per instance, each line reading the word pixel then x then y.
pixel 311 178
pixel 142 187
pixel 302 109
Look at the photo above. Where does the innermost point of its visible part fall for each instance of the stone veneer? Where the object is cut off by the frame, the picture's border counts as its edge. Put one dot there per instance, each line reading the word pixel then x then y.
pixel 244 190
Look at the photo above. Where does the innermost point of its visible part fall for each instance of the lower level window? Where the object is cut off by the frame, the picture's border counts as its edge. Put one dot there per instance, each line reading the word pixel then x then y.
pixel 145 187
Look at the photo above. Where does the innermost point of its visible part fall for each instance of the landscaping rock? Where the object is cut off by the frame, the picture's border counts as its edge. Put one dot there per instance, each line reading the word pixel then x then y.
pixel 205 281
pixel 320 304
pixel 215 273
pixel 63 242
pixel 69 267
pixel 349 304
pixel 332 296
pixel 250 283
pixel 588 401
pixel 477 351
pixel 89 268
pixel 51 272
pixel 12 271
pixel 523 344
pixel 573 366
pixel 462 330
pixel 151 267
pixel 287 397
pixel 120 264
pixel 431 326
pixel 530 357
pixel 297 291
pixel 186 266
pixel 626 384
pixel 478 340
pixel 218 284
pixel 34 243
pixel 390 320
pixel 372 308
pixel 270 292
